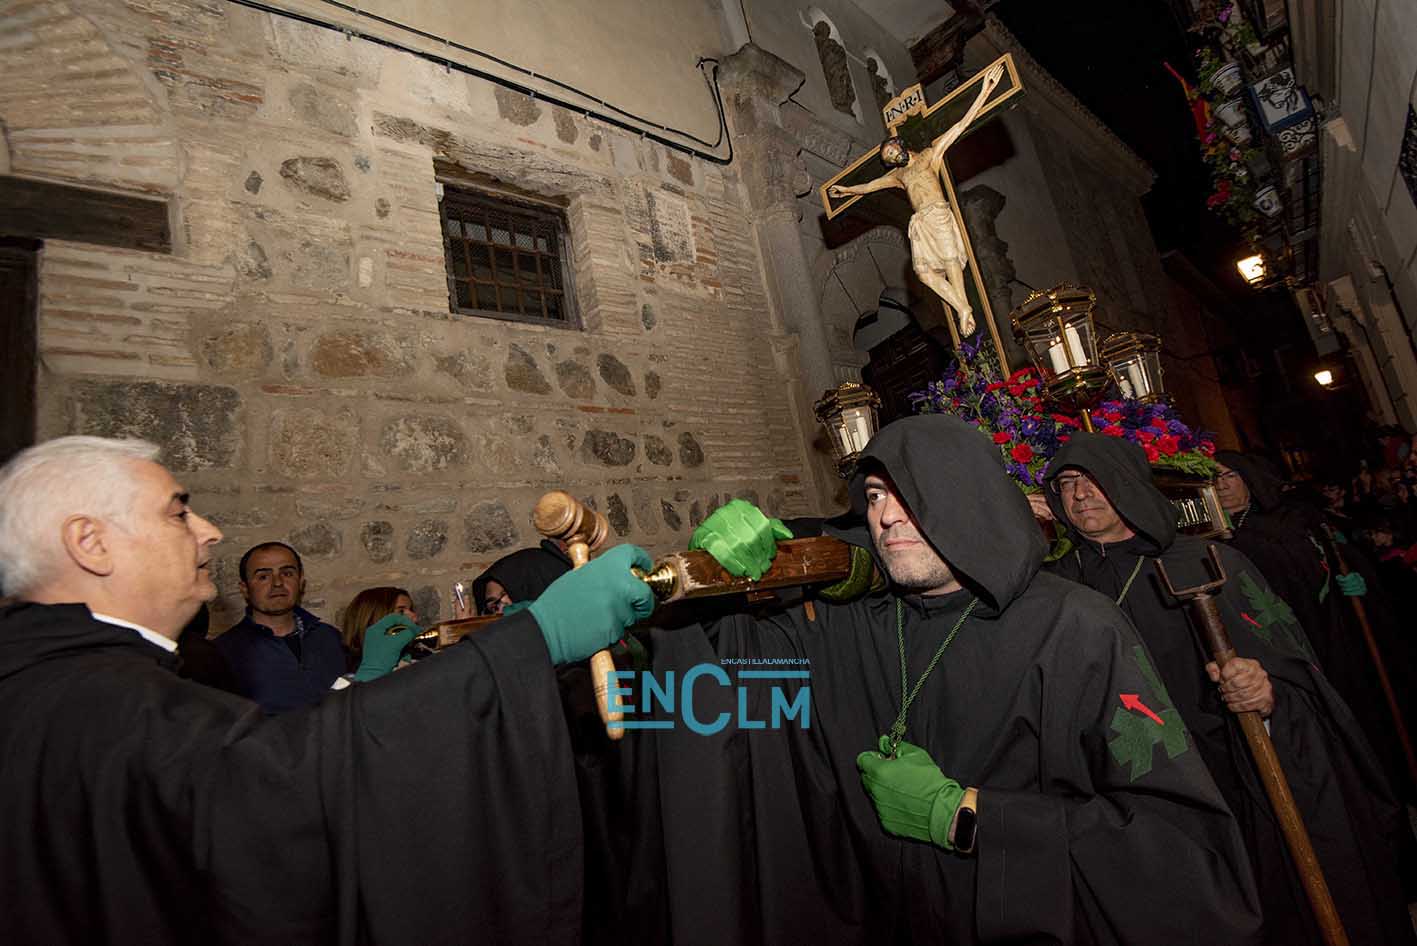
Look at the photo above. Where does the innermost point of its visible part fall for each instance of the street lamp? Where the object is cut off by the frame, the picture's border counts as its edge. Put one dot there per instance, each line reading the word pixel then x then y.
pixel 848 412
pixel 1252 269
pixel 1134 358
pixel 1056 330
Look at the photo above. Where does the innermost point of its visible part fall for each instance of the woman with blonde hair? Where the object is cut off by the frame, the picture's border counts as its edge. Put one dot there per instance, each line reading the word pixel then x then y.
pixel 369 612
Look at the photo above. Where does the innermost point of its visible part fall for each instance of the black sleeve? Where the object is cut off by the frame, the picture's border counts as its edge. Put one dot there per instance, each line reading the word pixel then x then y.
pixel 440 799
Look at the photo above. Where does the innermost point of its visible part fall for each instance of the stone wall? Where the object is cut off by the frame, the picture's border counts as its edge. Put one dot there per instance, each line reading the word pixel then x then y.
pixel 296 356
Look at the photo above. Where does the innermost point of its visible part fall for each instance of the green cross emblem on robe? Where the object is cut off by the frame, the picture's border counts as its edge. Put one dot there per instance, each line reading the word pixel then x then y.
pixel 1137 729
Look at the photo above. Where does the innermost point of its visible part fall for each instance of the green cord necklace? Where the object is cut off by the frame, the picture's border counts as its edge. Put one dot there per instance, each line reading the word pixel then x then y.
pixel 1130 578
pixel 891 740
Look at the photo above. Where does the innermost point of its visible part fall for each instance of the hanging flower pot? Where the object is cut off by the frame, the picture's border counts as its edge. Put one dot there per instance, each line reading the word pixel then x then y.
pixel 1227 78
pixel 1231 112
pixel 1239 134
pixel 1267 201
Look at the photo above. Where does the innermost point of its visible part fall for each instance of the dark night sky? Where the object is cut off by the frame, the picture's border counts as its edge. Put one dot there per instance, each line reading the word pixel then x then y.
pixel 1109 53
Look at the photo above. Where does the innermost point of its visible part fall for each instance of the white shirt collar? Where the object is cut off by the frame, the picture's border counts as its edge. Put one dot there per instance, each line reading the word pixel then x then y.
pixel 152 637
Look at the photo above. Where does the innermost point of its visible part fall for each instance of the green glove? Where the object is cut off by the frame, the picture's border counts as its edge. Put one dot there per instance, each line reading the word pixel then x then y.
pixel 913 798
pixel 588 609
pixel 514 607
pixel 1352 584
pixel 383 646
pixel 740 538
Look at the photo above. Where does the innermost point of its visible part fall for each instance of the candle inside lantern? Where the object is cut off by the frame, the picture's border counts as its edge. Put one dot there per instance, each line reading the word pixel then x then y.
pixel 856 425
pixel 1058 354
pixel 1137 374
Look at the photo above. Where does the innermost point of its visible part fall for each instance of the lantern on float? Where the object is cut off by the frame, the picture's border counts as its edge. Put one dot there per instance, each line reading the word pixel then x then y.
pixel 1057 331
pixel 848 412
pixel 1134 360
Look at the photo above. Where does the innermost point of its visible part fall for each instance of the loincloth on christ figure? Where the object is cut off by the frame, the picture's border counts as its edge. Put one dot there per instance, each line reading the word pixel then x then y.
pixel 934 239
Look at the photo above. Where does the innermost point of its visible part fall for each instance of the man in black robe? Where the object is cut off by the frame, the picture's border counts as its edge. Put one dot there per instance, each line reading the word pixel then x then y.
pixel 1035 715
pixel 1101 488
pixel 437 805
pixel 1286 540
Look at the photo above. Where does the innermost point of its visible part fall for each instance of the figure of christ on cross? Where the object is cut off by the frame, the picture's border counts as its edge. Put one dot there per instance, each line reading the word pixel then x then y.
pixel 936 249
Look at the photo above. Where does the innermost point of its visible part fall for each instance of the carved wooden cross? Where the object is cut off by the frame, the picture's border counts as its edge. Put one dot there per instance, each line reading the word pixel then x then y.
pixel 908 116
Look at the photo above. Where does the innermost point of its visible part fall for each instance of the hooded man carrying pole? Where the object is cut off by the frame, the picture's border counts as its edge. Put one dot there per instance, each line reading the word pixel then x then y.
pixel 1287 540
pixel 971 691
pixel 1101 488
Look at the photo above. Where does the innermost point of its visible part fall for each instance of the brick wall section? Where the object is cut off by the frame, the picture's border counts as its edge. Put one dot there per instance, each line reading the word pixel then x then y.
pixel 297 357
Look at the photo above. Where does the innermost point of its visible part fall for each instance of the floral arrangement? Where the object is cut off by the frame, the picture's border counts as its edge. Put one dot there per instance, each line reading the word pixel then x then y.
pixel 1168 442
pixel 1012 412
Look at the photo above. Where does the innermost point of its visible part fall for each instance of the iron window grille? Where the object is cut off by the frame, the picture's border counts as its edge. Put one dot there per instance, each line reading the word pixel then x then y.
pixel 506 259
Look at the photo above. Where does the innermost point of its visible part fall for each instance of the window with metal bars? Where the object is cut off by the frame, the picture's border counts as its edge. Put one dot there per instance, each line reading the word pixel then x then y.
pixel 506 260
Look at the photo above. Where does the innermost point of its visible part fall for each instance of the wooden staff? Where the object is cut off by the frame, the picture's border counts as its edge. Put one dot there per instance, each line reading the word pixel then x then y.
pixel 1377 656
pixel 1276 786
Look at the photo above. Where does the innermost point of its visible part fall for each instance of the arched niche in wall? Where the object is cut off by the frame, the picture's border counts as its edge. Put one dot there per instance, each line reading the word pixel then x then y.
pixel 849 282
pixel 836 65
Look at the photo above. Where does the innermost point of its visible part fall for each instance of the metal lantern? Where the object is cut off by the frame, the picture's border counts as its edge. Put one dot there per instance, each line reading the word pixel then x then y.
pixel 1134 359
pixel 1056 329
pixel 848 412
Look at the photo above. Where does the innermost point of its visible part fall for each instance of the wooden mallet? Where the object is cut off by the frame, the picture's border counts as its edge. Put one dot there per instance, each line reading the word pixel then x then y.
pixel 560 516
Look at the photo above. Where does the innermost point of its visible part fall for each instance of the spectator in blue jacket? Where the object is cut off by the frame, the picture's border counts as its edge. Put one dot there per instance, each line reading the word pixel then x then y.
pixel 283 657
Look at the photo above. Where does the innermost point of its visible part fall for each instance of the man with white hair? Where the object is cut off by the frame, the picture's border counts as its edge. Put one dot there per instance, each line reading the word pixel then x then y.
pixel 436 805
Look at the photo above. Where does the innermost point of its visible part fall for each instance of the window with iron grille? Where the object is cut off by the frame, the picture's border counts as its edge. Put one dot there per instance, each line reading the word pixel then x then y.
pixel 506 260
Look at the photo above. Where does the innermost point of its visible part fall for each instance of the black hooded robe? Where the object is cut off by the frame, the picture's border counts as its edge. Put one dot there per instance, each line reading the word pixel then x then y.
pixel 1286 541
pixel 1096 825
pixel 436 805
pixel 1340 790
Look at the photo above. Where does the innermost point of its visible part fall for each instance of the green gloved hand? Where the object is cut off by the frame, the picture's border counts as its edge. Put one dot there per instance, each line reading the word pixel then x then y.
pixel 1352 584
pixel 383 646
pixel 913 798
pixel 514 607
pixel 740 538
pixel 588 609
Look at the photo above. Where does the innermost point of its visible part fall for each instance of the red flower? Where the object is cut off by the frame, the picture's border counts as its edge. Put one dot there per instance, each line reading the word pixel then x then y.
pixel 1160 427
pixel 994 386
pixel 1019 376
pixel 1145 436
pixel 1152 454
pixel 1207 448
pixel 1064 438
pixel 1168 445
pixel 1065 420
pixel 1022 453
pixel 1112 416
pixel 1016 390
pixel 1112 430
pixel 1001 437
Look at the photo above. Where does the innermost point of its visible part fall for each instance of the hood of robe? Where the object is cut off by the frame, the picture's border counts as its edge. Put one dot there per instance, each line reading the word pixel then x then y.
pixel 1120 468
pixel 1263 481
pixel 951 478
pixel 525 573
pixel 32 633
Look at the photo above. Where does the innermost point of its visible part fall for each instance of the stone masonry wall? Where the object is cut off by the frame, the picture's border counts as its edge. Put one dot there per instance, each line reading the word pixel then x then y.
pixel 296 356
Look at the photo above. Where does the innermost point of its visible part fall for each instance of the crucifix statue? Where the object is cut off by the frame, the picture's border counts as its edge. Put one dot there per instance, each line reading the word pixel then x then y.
pixel 914 159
